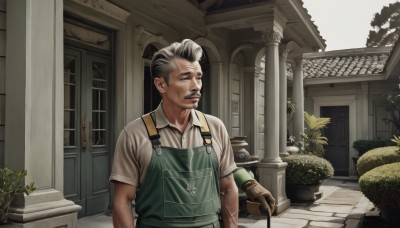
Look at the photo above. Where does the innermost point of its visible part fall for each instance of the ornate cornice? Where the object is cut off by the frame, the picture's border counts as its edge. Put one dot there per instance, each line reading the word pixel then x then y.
pixel 297 63
pixel 144 38
pixel 271 36
pixel 106 8
pixel 283 51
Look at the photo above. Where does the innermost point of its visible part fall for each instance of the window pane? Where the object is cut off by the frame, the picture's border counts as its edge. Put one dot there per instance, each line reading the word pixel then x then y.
pixel 99 137
pixel 69 137
pixel 99 120
pixel 69 100
pixel 69 120
pixel 69 96
pixel 99 70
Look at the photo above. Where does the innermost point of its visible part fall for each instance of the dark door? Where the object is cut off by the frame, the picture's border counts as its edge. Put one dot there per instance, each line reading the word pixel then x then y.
pixel 337 132
pixel 87 117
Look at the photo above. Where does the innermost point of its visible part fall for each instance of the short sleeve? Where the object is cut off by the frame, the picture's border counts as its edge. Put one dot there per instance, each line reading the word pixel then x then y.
pixel 125 167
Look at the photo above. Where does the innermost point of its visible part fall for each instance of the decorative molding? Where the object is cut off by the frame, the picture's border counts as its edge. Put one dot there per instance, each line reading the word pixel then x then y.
pixel 144 38
pixel 271 37
pixel 297 63
pixel 89 37
pixel 106 8
pixel 212 50
pixel 243 47
pixel 252 72
pixel 345 100
pixel 283 51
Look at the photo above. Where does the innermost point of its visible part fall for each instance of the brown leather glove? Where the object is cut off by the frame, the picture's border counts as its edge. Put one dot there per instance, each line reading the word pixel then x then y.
pixel 256 192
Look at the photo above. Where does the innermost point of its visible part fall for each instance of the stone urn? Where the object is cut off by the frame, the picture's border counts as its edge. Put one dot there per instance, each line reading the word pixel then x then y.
pixel 239 145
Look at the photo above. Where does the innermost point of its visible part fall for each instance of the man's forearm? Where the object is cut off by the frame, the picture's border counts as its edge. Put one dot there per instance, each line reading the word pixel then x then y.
pixel 122 216
pixel 229 204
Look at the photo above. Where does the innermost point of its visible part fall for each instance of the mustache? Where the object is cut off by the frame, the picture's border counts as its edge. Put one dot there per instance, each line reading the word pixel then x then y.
pixel 193 95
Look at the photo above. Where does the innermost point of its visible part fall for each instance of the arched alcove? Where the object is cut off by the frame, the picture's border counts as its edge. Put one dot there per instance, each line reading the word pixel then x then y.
pixel 212 90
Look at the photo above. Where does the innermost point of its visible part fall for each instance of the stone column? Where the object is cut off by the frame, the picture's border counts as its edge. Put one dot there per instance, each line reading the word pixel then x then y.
pixel 271 168
pixel 271 102
pixel 218 92
pixel 365 130
pixel 251 105
pixel 282 100
pixel 298 98
pixel 34 111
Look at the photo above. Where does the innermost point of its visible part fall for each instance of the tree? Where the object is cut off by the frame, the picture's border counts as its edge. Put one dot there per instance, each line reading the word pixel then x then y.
pixel 393 108
pixel 386 26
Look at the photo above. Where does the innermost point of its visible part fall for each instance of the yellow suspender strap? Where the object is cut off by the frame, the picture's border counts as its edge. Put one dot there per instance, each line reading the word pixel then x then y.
pixel 150 126
pixel 204 129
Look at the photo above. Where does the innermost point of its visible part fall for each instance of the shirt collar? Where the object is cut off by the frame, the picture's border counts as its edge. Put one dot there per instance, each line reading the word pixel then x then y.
pixel 162 121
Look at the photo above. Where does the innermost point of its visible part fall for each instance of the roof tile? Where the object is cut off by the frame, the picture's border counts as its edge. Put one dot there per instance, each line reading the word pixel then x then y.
pixel 345 63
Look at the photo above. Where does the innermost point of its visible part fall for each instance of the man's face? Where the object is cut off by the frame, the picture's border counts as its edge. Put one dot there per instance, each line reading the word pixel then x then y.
pixel 184 85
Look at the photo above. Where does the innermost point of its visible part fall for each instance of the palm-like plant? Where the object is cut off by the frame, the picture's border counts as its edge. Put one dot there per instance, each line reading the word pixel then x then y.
pixel 314 141
pixel 396 139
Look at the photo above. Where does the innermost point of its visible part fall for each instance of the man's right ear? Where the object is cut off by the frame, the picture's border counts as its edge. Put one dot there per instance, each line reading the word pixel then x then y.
pixel 159 82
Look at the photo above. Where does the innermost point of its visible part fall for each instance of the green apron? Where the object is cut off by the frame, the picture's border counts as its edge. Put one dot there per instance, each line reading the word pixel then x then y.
pixel 181 187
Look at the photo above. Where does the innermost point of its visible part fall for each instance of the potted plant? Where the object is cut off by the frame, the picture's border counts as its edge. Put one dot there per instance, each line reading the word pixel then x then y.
pixel 381 186
pixel 11 185
pixel 304 175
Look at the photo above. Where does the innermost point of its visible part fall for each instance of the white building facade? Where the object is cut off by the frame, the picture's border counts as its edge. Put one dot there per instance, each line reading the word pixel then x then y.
pixel 74 72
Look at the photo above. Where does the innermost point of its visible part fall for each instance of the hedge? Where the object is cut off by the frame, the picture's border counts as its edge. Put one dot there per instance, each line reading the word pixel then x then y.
pixel 377 157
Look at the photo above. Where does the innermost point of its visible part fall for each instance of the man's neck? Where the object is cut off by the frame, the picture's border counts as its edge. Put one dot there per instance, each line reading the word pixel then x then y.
pixel 177 116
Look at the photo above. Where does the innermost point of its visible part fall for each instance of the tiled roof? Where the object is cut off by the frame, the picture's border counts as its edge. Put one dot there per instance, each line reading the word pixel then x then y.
pixel 345 63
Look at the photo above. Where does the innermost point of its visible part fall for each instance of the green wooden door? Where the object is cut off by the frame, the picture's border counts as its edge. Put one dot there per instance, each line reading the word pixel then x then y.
pixel 87 129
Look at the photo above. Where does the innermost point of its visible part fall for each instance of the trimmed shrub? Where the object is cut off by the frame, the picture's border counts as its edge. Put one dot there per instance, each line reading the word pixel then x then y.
pixel 381 185
pixel 377 157
pixel 363 146
pixel 306 169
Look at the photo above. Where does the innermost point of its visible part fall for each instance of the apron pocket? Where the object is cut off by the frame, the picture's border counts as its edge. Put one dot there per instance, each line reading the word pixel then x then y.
pixel 189 194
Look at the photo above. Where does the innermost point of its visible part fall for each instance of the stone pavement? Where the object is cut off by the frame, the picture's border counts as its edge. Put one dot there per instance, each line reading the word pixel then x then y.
pixel 341 205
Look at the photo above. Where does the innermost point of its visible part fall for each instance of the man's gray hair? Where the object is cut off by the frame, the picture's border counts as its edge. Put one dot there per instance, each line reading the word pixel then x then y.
pixel 161 64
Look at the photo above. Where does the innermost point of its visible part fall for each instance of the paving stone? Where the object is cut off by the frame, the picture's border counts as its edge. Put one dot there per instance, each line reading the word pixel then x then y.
pixel 263 224
pixel 353 215
pixel 343 201
pixel 307 212
pixel 353 223
pixel 301 222
pixel 246 222
pixel 325 224
pixel 343 196
pixel 332 208
pixel 315 218
pixel 341 215
pixel 375 212
pixel 363 203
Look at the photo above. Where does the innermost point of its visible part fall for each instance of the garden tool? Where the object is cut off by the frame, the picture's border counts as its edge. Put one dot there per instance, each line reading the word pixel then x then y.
pixel 260 207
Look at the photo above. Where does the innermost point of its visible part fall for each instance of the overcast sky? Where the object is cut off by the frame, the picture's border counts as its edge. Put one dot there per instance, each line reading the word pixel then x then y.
pixel 344 24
